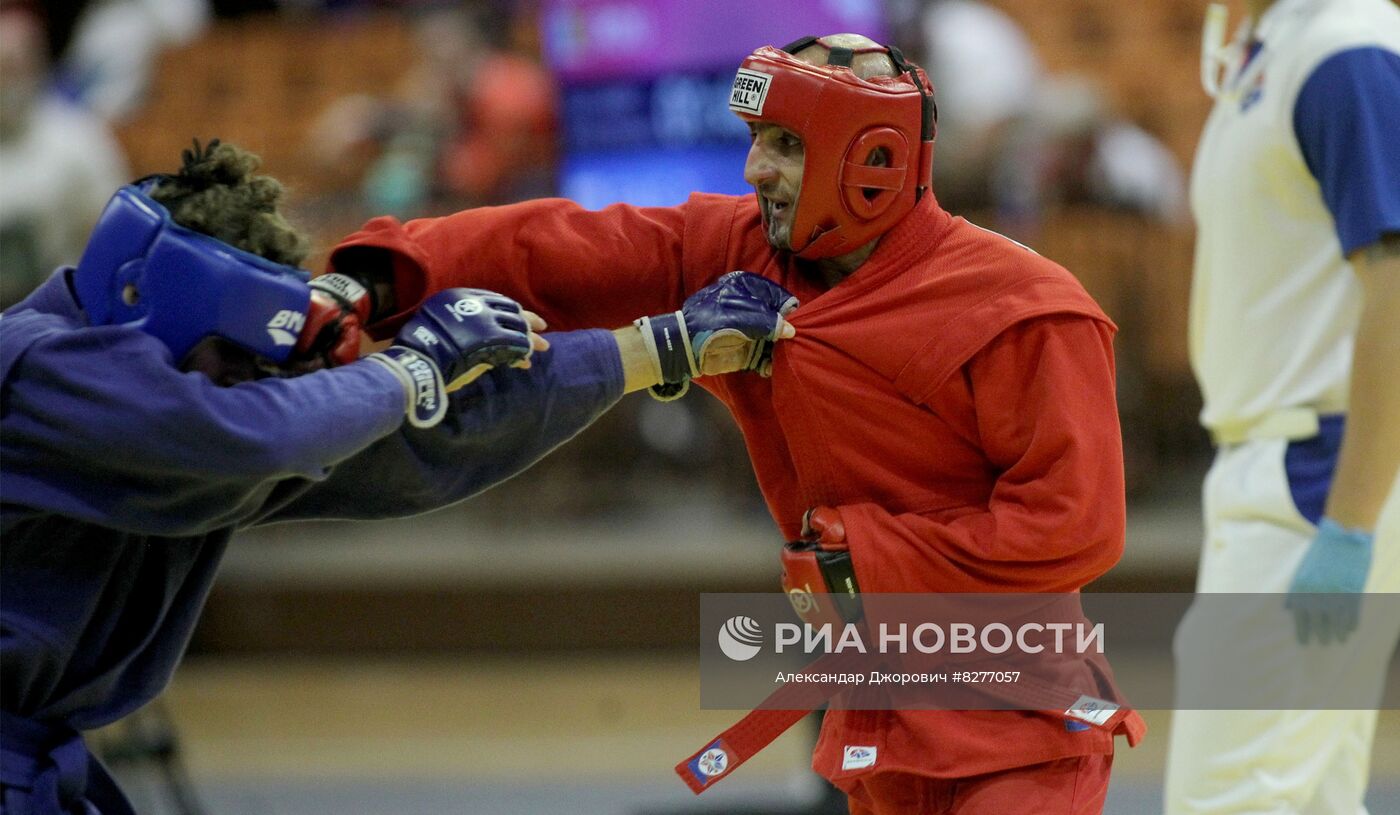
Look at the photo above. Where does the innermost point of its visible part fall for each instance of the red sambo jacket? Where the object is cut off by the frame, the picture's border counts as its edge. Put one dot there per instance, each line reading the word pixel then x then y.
pixel 953 398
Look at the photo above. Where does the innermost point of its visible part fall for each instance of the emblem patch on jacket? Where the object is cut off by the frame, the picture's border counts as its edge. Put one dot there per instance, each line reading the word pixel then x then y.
pixel 857 757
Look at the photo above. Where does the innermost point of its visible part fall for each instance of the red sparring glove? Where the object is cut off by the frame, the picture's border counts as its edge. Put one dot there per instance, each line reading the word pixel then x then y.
pixel 340 308
pixel 817 572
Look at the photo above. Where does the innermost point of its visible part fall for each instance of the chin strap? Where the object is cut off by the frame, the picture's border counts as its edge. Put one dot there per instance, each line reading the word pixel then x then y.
pixel 1215 54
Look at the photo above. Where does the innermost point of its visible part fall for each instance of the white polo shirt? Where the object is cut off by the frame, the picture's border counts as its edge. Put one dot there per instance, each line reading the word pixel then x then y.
pixel 1298 165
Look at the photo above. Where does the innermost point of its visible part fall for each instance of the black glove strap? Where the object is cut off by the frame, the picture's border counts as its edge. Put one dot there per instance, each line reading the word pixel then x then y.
pixel 666 336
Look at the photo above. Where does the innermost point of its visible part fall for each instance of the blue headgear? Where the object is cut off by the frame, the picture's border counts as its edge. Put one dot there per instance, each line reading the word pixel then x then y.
pixel 180 286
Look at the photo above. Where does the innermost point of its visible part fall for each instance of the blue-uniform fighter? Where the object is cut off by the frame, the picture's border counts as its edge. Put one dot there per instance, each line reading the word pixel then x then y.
pixel 149 410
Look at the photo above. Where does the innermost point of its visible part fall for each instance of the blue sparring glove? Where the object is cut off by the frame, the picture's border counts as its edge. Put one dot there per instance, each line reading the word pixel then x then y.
pixel 740 312
pixel 456 336
pixel 1325 596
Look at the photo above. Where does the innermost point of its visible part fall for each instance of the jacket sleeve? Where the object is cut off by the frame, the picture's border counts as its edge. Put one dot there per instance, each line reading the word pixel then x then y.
pixel 1043 392
pixel 100 426
pixel 495 428
pixel 575 267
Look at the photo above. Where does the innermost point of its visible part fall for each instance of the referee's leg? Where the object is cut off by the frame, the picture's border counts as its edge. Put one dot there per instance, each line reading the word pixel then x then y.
pixel 1309 762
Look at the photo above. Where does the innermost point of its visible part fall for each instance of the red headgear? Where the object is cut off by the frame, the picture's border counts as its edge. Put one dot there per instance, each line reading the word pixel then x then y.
pixel 844 203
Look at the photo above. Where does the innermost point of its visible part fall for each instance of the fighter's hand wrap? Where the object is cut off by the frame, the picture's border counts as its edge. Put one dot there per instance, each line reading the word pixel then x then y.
pixel 456 336
pixel 340 308
pixel 1326 592
pixel 739 306
pixel 817 572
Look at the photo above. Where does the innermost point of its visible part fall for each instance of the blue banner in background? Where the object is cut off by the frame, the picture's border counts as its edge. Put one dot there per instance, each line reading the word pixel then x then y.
pixel 601 40
pixel 645 86
pixel 661 178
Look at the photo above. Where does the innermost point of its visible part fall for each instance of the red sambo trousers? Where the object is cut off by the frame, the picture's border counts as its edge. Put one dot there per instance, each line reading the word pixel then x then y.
pixel 1069 786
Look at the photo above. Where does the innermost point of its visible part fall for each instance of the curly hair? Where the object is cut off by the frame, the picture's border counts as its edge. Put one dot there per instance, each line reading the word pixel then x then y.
pixel 216 193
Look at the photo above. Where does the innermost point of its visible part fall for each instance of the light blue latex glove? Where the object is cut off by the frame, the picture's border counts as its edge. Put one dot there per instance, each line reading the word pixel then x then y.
pixel 1325 596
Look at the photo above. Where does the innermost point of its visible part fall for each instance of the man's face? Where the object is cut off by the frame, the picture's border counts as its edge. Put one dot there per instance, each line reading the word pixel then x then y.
pixel 227 364
pixel 774 170
pixel 222 361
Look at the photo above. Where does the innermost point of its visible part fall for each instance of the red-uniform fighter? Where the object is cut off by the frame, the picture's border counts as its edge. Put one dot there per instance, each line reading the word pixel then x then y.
pixel 947 403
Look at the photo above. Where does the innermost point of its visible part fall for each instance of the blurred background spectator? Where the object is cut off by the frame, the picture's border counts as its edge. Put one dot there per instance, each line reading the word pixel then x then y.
pixel 471 123
pixel 1068 149
pixel 1016 142
pixel 112 47
pixel 59 163
pixel 985 73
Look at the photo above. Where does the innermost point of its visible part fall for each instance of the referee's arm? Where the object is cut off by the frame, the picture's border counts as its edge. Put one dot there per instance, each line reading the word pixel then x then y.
pixel 1370 456
pixel 1345 119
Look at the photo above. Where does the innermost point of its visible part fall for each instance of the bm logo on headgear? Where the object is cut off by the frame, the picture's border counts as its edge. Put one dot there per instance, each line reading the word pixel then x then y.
pixel 285 325
pixel 741 638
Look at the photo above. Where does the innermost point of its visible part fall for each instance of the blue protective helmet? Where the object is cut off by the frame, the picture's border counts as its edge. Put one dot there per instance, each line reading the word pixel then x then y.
pixel 180 286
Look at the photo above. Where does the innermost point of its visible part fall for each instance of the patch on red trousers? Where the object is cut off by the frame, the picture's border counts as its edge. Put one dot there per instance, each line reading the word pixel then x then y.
pixel 857 757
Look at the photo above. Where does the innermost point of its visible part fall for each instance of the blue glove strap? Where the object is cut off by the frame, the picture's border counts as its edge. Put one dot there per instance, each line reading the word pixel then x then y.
pixel 422 381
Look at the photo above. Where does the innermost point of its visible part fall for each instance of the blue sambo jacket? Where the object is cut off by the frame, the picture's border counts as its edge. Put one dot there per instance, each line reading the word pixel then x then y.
pixel 122 480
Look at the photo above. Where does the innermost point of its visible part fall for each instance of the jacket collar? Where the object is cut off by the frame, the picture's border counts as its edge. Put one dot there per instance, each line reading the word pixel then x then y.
pixel 915 237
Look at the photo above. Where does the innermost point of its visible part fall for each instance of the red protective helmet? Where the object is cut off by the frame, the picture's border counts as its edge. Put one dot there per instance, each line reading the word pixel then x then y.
pixel 844 203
